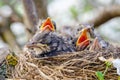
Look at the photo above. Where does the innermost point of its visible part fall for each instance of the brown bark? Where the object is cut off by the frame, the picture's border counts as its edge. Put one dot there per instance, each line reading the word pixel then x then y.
pixel 31 16
pixel 41 6
pixel 105 14
pixel 34 10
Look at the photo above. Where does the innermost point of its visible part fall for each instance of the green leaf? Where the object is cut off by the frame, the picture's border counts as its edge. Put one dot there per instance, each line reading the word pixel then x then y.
pixel 11 60
pixel 99 75
pixel 108 64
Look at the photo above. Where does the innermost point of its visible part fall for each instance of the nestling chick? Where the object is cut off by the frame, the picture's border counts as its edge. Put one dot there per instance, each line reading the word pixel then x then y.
pixel 88 39
pixel 46 42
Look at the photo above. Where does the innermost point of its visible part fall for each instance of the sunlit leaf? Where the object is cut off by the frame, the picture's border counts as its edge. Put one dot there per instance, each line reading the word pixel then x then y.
pixel 11 60
pixel 108 64
pixel 99 75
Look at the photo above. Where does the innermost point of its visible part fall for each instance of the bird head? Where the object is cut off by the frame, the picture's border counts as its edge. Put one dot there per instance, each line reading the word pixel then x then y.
pixel 47 25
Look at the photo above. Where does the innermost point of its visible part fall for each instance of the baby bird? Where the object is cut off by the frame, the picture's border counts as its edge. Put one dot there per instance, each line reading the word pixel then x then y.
pixel 46 42
pixel 88 39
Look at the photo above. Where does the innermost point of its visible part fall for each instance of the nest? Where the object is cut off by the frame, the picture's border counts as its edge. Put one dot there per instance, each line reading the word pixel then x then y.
pixel 73 66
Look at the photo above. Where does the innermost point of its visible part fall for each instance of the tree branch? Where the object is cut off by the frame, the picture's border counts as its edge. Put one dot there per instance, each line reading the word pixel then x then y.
pixel 41 6
pixel 105 15
pixel 31 16
pixel 34 10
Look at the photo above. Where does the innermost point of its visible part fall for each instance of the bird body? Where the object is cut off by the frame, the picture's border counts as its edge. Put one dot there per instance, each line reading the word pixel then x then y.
pixel 54 42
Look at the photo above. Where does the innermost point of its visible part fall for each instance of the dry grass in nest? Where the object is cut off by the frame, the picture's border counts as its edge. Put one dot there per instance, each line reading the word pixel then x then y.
pixel 75 66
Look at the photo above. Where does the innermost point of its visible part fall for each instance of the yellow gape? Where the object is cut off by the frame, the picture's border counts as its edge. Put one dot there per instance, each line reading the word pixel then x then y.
pixel 83 38
pixel 47 25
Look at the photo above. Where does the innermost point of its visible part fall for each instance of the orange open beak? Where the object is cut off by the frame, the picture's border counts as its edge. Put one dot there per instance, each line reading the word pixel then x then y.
pixel 83 40
pixel 47 25
pixel 83 37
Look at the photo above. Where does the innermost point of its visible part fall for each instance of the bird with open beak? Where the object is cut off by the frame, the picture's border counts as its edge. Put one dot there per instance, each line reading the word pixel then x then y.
pixel 46 42
pixel 83 40
pixel 48 25
pixel 88 39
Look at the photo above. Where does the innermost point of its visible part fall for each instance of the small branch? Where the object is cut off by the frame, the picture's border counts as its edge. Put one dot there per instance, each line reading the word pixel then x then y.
pixel 41 7
pixel 31 16
pixel 105 14
pixel 34 10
